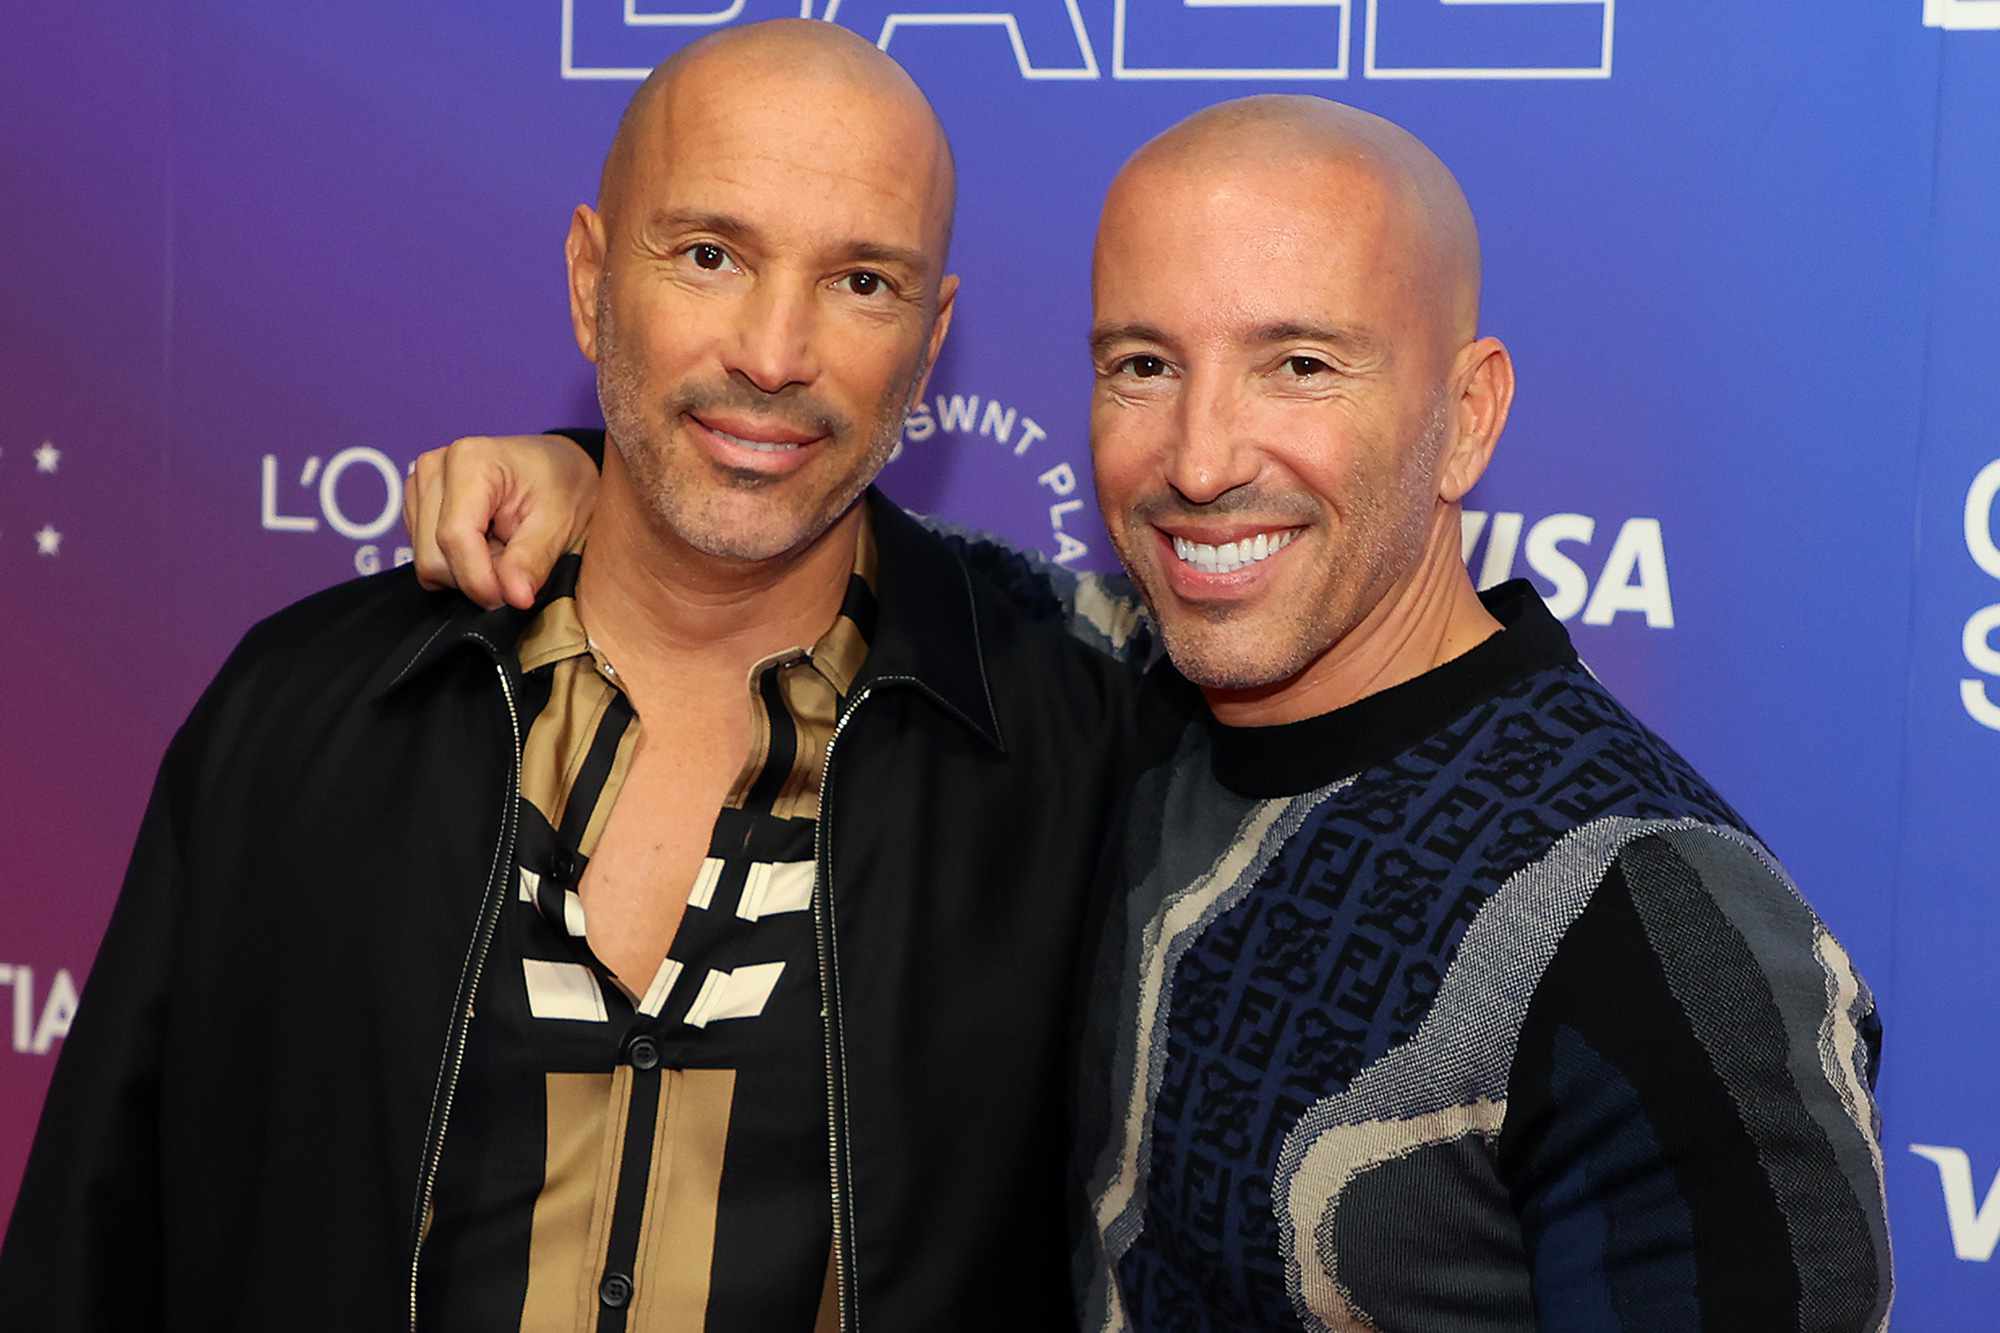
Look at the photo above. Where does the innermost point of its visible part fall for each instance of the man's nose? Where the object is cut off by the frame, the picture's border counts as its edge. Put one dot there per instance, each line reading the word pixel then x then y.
pixel 774 343
pixel 1212 453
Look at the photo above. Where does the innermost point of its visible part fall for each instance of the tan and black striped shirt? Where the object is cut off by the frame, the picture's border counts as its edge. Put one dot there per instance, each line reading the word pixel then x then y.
pixel 653 1161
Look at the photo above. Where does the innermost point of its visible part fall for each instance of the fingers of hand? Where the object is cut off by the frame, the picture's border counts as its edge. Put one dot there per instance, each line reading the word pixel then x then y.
pixel 470 490
pixel 421 496
pixel 531 552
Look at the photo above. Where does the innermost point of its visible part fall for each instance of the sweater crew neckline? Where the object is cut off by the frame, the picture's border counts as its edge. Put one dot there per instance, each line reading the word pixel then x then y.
pixel 1291 758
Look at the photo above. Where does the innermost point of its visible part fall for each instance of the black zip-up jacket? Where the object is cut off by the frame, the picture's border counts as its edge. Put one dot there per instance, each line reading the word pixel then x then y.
pixel 247 1115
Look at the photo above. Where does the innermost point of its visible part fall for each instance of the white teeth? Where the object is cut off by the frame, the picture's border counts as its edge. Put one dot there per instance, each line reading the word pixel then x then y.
pixel 1232 556
pixel 760 446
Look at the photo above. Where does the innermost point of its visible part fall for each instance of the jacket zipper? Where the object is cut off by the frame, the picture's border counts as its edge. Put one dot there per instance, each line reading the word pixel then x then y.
pixel 843 1282
pixel 845 1295
pixel 453 1060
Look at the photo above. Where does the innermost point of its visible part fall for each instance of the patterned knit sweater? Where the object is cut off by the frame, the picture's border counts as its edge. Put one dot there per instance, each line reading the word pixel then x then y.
pixel 1470 1006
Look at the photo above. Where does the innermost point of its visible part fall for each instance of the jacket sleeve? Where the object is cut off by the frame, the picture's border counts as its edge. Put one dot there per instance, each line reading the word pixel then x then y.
pixel 586 438
pixel 84 1248
pixel 1691 1137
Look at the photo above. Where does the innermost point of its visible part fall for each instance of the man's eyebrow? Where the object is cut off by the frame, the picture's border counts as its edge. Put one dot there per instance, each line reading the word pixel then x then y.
pixel 736 228
pixel 875 252
pixel 1357 342
pixel 688 219
pixel 1107 335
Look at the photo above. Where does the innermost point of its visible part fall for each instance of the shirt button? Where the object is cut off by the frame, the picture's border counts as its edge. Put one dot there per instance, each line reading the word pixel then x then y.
pixel 643 1053
pixel 615 1291
pixel 566 866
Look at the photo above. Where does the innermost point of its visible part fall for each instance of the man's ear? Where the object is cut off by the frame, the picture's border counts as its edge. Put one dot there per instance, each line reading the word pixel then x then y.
pixel 583 252
pixel 941 325
pixel 1484 375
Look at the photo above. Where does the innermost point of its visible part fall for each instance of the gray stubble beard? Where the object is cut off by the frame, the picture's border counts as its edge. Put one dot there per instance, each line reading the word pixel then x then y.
pixel 618 398
pixel 1311 631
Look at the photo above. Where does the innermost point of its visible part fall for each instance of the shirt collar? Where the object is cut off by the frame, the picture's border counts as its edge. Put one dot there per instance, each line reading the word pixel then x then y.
pixel 557 632
pixel 927 625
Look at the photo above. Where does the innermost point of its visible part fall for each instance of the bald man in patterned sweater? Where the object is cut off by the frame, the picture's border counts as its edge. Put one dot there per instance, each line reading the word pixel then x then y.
pixel 1438 993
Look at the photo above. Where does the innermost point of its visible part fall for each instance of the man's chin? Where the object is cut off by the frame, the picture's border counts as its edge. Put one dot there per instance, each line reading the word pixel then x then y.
pixel 1197 634
pixel 749 532
pixel 1229 658
pixel 739 546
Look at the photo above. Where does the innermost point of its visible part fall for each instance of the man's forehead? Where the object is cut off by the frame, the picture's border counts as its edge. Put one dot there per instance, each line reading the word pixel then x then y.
pixel 1342 188
pixel 846 213
pixel 806 181
pixel 1359 216
pixel 753 138
pixel 1205 241
pixel 1260 280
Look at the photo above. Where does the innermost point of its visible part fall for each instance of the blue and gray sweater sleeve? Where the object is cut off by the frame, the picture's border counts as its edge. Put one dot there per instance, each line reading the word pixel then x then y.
pixel 1102 611
pixel 1691 1137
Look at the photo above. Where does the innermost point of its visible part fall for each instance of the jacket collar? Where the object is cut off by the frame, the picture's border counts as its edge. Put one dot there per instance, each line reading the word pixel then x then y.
pixel 927 630
pixel 455 624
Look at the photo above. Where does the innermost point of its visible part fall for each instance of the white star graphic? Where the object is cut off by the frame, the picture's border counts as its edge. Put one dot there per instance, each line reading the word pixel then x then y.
pixel 47 457
pixel 48 541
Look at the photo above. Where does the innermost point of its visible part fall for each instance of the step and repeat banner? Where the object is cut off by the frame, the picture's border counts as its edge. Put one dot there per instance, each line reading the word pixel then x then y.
pixel 257 257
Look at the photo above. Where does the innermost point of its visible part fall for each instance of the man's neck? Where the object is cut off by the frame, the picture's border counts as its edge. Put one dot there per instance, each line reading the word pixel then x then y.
pixel 670 618
pixel 1428 618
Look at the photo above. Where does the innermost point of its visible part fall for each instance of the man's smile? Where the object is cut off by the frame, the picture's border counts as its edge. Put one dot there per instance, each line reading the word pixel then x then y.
pixel 752 444
pixel 1229 556
pixel 1203 562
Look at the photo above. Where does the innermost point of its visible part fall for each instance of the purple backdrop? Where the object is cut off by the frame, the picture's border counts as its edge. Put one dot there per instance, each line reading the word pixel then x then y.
pixel 258 257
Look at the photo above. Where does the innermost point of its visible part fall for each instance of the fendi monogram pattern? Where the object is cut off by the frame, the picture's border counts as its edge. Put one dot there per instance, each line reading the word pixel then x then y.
pixel 1301 1050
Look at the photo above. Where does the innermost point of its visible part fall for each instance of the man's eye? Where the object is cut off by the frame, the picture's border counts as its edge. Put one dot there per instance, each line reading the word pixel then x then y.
pixel 1306 366
pixel 707 256
pixel 863 283
pixel 1144 367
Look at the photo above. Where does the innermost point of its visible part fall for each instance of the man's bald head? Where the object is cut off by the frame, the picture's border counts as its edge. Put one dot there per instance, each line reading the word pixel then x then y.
pixel 1292 396
pixel 762 287
pixel 1342 150
pixel 849 79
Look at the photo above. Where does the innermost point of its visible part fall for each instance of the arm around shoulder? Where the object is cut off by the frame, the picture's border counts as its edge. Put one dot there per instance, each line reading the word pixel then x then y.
pixel 1101 611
